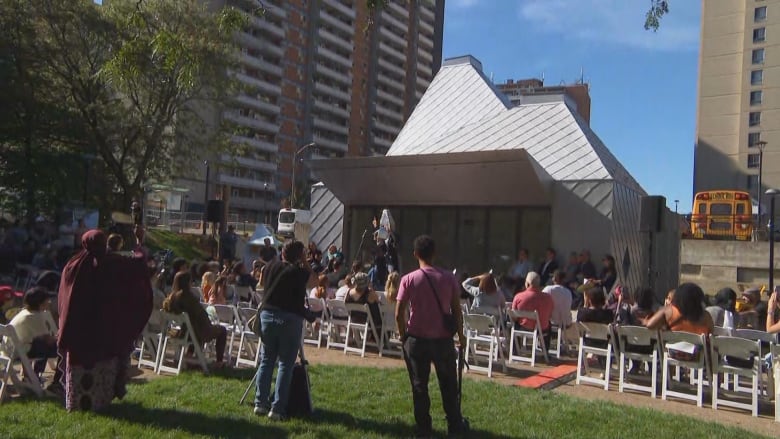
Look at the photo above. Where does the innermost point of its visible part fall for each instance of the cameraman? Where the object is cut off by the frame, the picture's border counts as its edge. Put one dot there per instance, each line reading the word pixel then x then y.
pixel 285 284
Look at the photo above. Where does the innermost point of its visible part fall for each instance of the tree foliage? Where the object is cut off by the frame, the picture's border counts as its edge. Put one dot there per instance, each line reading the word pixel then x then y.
pixel 658 8
pixel 137 84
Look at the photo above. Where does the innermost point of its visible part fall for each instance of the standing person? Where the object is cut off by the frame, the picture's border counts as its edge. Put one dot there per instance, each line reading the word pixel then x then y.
pixel 285 284
pixel 105 301
pixel 429 294
pixel 267 252
pixel 227 244
pixel 548 266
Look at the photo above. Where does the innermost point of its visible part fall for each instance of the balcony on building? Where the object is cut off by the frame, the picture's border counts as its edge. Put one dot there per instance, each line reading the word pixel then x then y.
pixel 332 91
pixel 389 129
pixel 263 23
pixel 341 8
pixel 330 108
pixel 259 104
pixel 388 33
pixel 264 45
pixel 331 55
pixel 389 97
pixel 391 82
pixel 247 162
pixel 260 145
pixel 326 17
pixel 252 122
pixel 381 141
pixel 387 17
pixel 261 64
pixel 332 126
pixel 425 69
pixel 343 43
pixel 424 55
pixel 248 183
pixel 259 84
pixel 426 27
pixel 426 13
pixel 425 41
pixel 386 112
pixel 330 143
pixel 391 67
pixel 344 78
pixel 398 9
pixel 393 52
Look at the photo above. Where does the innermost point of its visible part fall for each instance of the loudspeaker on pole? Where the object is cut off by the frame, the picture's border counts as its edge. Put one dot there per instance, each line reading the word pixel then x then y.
pixel 651 214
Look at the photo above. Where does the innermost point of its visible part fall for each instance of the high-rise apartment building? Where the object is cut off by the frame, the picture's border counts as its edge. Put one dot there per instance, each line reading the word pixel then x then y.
pixel 331 72
pixel 739 96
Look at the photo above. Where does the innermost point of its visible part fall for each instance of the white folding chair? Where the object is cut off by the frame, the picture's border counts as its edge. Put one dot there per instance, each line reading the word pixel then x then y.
pixel 241 293
pixel 227 317
pixel 482 330
pixel 249 344
pixel 634 343
pixel 595 339
pixel 738 357
pixel 721 331
pixel 338 319
pixel 151 341
pixel 766 340
pixel 359 332
pixel 519 338
pixel 180 344
pixel 556 340
pixel 684 350
pixel 391 340
pixel 9 354
pixel 312 332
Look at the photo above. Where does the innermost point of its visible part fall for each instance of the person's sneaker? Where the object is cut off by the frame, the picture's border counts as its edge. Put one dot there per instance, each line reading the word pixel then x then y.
pixel 275 416
pixel 261 410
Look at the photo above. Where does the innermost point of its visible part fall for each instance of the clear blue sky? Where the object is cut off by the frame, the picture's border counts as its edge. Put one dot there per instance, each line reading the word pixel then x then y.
pixel 643 84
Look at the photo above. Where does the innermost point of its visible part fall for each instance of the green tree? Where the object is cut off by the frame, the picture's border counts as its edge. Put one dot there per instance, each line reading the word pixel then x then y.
pixel 658 8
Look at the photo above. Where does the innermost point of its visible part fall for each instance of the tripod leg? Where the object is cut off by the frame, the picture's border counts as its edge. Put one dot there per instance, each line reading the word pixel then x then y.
pixel 249 387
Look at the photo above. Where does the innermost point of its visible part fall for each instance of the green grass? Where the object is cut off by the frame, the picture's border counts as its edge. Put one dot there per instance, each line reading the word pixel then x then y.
pixel 351 402
pixel 185 246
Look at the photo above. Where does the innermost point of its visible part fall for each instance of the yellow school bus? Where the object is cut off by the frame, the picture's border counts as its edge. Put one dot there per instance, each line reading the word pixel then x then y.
pixel 722 214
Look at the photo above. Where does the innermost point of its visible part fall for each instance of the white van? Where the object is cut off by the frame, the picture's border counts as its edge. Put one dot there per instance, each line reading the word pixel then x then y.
pixel 295 223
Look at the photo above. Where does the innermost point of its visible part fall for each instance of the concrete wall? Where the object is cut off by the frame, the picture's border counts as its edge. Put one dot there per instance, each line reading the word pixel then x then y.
pixel 717 264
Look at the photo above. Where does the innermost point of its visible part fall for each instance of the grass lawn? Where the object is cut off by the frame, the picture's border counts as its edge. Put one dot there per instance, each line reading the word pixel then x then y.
pixel 183 245
pixel 351 402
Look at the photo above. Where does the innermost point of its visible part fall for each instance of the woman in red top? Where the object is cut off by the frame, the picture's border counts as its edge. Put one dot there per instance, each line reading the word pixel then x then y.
pixel 685 313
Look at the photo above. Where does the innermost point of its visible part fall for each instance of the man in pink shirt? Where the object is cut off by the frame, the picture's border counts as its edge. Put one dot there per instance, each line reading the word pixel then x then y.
pixel 429 293
pixel 533 299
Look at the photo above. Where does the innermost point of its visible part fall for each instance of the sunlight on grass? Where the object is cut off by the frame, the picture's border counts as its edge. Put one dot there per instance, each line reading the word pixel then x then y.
pixel 351 402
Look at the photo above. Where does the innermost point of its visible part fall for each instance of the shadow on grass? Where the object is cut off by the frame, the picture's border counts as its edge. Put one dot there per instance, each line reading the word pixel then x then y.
pixel 193 423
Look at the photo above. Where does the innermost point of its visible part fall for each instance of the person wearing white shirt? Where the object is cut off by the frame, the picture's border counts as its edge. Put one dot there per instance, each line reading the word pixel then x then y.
pixel 36 339
pixel 341 293
pixel 521 268
pixel 561 296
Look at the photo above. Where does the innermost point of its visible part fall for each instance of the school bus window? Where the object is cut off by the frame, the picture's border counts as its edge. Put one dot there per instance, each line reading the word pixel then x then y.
pixel 703 208
pixel 720 209
pixel 740 209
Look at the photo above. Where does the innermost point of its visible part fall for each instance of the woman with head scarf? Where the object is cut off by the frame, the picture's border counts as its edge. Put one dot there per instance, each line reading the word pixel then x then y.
pixel 104 302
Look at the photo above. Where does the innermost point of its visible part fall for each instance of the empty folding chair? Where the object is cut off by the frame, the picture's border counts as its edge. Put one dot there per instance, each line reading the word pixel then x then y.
pixel 9 355
pixel 738 357
pixel 151 341
pixel 249 343
pixel 482 330
pixel 766 340
pixel 338 319
pixel 519 338
pixel 595 339
pixel 178 323
pixel 684 350
pixel 227 317
pixel 721 331
pixel 638 345
pixel 359 328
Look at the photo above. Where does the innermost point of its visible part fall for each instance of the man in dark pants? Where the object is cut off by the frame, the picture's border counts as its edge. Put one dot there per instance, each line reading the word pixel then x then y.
pixel 426 338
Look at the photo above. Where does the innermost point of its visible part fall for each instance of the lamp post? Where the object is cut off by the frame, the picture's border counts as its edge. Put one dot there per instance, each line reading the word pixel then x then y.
pixel 760 144
pixel 206 196
pixel 295 165
pixel 676 202
pixel 266 214
pixel 771 193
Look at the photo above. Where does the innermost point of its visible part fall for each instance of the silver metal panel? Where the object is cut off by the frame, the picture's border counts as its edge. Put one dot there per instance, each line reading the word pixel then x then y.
pixel 629 247
pixel 327 217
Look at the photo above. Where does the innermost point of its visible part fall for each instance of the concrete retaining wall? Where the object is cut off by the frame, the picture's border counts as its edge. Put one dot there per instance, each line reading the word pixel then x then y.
pixel 718 264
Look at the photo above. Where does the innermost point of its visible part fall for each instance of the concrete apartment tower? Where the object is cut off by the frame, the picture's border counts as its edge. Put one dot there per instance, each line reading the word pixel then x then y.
pixel 739 96
pixel 319 73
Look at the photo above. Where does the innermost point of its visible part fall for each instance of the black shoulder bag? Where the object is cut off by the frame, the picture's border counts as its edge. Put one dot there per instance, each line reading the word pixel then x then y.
pixel 450 324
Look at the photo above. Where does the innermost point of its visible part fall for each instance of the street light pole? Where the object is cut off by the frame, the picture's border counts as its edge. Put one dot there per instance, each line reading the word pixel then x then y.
pixel 206 196
pixel 760 144
pixel 295 165
pixel 675 205
pixel 771 193
pixel 266 214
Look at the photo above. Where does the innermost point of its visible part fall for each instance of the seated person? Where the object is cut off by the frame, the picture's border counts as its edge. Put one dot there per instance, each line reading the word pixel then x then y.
pixel 533 299
pixel 341 293
pixel 724 312
pixel 361 293
pixel 218 294
pixel 752 310
pixel 321 291
pixel 241 277
pixel 207 283
pixel 685 312
pixel 183 300
pixel 37 341
pixel 595 311
pixel 487 298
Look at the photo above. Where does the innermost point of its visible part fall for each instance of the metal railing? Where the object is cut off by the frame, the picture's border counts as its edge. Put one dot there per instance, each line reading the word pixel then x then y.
pixel 192 222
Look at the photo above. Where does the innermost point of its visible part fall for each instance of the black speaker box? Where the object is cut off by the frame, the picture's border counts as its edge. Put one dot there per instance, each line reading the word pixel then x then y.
pixel 651 213
pixel 215 211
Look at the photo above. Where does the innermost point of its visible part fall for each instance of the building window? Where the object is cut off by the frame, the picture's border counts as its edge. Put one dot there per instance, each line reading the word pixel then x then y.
pixel 759 14
pixel 756 97
pixel 758 56
pixel 759 35
pixel 756 77
pixel 752 181
pixel 753 139
pixel 754 118
pixel 753 160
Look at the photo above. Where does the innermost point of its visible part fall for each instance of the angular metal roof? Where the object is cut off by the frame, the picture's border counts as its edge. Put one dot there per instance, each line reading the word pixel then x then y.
pixel 463 112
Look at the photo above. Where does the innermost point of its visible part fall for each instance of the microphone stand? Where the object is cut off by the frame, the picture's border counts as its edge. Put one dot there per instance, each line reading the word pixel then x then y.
pixel 360 247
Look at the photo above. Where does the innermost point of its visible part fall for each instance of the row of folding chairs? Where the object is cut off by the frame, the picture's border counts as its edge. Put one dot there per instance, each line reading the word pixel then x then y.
pixel 720 362
pixel 161 337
